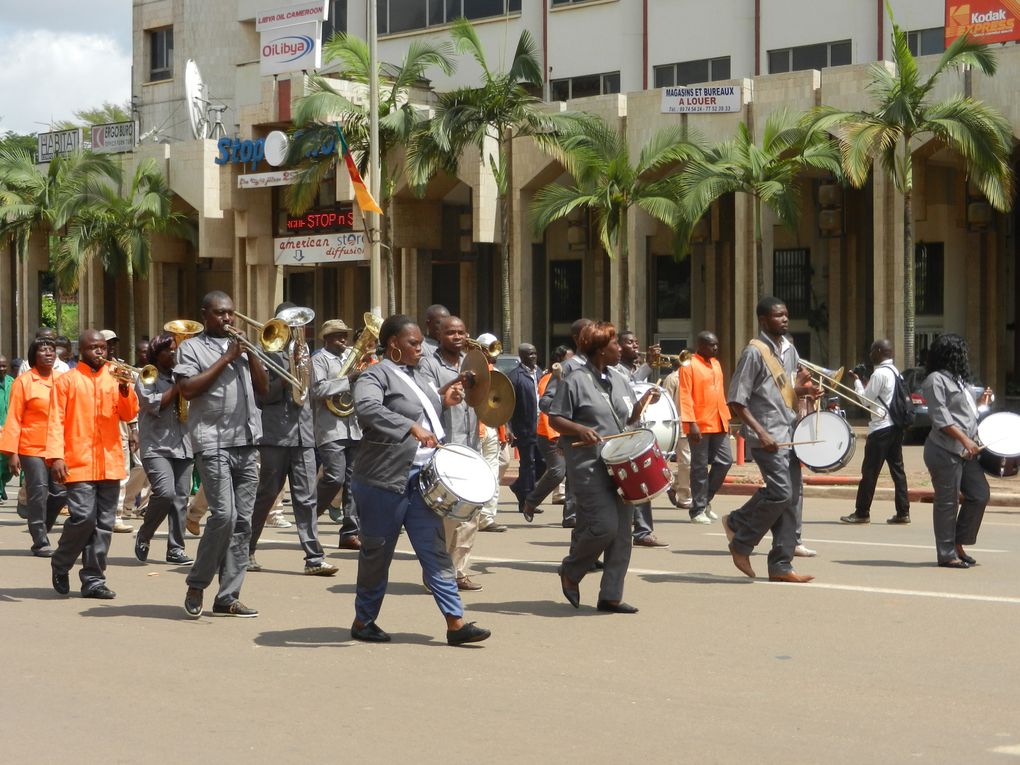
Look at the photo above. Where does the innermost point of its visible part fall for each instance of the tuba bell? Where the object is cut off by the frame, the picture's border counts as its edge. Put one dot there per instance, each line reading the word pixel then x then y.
pixel 182 329
pixel 297 349
pixel 342 404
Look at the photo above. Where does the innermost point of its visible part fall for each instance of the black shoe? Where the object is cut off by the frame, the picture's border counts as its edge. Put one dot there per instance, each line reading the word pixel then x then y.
pixel 100 591
pixel 968 559
pixel 599 565
pixel 469 633
pixel 615 608
pixel 61 583
pixel 178 558
pixel 142 550
pixel 573 596
pixel 955 563
pixel 43 552
pixel 234 608
pixel 855 518
pixel 193 602
pixel 369 633
pixel 569 523
pixel 899 519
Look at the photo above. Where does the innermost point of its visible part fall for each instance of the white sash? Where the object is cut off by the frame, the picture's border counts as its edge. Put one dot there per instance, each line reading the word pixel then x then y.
pixel 430 410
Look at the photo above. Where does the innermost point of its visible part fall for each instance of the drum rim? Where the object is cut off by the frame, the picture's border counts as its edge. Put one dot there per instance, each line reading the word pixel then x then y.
pixel 619 442
pixel 992 416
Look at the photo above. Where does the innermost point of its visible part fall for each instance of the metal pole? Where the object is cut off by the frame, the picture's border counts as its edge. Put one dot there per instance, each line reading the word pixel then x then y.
pixel 374 169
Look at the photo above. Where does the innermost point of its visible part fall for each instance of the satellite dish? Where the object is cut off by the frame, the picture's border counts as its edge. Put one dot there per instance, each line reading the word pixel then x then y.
pixel 195 93
pixel 276 146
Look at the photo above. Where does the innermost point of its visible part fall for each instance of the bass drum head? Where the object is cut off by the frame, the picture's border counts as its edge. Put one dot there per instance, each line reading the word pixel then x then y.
pixel 627 447
pixel 465 473
pixel 661 418
pixel 1000 433
pixel 836 446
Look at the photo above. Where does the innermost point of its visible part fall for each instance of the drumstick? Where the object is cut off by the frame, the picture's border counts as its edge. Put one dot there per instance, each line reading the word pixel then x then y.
pixel 800 443
pixel 604 438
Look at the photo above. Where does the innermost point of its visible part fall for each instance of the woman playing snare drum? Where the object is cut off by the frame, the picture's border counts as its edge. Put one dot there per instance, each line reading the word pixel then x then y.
pixel 399 414
pixel 591 403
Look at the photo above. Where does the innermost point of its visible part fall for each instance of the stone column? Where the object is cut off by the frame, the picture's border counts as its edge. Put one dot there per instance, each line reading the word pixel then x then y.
pixel 888 261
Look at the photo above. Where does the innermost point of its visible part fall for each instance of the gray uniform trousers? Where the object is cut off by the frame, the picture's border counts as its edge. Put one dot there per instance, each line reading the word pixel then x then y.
pixel 170 479
pixel 951 476
pixel 44 499
pixel 93 508
pixel 278 463
pixel 603 528
pixel 643 524
pixel 229 477
pixel 710 462
pixel 555 470
pixel 772 508
pixel 337 459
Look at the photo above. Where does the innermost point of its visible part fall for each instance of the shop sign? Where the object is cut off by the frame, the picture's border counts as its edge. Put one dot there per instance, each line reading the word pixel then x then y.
pixel 317 10
pixel 323 220
pixel 291 49
pixel 273 149
pixel 320 248
pixel 265 180
pixel 705 99
pixel 983 21
pixel 57 144
pixel 113 137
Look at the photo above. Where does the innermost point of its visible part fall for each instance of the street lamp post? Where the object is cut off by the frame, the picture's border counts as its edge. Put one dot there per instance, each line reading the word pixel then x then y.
pixel 374 169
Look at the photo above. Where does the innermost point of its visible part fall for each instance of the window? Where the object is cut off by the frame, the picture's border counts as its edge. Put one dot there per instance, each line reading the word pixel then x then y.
pixel 929 278
pixel 337 21
pixel 587 85
pixel 791 279
pixel 565 293
pixel 924 42
pixel 396 16
pixel 672 287
pixel 809 57
pixel 161 54
pixel 688 72
pixel 567 2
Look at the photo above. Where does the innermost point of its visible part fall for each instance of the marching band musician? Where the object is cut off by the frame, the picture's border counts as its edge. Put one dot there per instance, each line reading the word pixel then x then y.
pixel 555 467
pixel 219 377
pixel 287 451
pixel 165 450
pixel 590 403
pixel 399 414
pixel 495 450
pixel 83 447
pixel 336 437
pixel 763 396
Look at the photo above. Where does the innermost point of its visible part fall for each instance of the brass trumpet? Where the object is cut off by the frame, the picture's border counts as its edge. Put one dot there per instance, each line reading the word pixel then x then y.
pixel 125 373
pixel 263 355
pixel 668 359
pixel 492 350
pixel 356 360
pixel 273 335
pixel 182 329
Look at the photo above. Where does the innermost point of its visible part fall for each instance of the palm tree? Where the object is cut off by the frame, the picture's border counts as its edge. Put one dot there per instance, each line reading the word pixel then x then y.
pixel 905 113
pixel 608 185
pixel 118 229
pixel 499 110
pixel 767 173
pixel 37 199
pixel 398 119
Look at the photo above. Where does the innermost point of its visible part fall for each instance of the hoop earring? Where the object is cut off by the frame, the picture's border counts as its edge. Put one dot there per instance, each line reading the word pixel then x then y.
pixel 399 356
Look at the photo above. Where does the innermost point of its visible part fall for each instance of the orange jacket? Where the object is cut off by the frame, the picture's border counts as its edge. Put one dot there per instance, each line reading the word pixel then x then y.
pixel 27 423
pixel 543 419
pixel 84 424
pixel 701 396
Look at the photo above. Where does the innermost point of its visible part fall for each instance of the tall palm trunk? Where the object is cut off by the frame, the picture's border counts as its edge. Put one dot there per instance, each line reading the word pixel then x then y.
pixel 623 233
pixel 506 237
pixel 387 239
pixel 130 354
pixel 909 322
pixel 759 252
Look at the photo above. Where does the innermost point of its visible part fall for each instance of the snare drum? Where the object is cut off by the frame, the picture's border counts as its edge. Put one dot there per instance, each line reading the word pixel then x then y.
pixel 636 465
pixel 999 433
pixel 836 438
pixel 456 482
pixel 661 418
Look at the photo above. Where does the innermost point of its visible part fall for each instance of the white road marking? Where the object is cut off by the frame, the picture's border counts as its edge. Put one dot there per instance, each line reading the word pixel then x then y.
pixel 1011 749
pixel 882 544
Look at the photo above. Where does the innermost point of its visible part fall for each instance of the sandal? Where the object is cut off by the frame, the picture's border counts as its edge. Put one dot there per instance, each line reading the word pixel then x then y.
pixel 954 563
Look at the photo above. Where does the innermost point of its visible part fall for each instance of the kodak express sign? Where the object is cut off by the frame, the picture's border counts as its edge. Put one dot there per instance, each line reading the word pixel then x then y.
pixel 983 21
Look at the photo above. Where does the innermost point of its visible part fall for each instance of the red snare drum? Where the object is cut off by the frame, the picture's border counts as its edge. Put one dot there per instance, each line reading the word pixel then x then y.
pixel 636 465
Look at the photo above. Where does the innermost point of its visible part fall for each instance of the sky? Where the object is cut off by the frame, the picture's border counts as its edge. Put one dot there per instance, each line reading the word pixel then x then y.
pixel 61 56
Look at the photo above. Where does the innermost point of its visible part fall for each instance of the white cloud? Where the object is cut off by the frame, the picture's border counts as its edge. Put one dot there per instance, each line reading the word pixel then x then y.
pixel 46 77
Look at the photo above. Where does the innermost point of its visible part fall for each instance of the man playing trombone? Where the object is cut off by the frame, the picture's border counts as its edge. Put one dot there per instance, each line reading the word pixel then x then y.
pixel 219 374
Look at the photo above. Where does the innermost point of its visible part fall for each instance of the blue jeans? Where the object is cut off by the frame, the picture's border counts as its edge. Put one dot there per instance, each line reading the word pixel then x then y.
pixel 382 513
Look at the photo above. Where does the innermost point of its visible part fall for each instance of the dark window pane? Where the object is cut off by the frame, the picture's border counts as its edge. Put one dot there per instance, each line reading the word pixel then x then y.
pixel 590 85
pixel 382 18
pixel 932 40
pixel 161 54
pixel 672 288
pixel 810 57
pixel 436 12
pixel 515 6
pixel 791 279
pixel 406 15
pixel 839 53
pixel 721 68
pixel 565 283
pixel 665 76
pixel 337 21
pixel 912 40
pixel 453 10
pixel 929 278
pixel 446 285
pixel 480 9
pixel 688 72
pixel 559 90
pixel 779 61
pixel 611 83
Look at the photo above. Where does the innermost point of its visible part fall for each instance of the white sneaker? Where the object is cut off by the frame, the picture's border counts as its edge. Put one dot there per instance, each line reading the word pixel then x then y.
pixel 278 522
pixel 801 551
pixel 119 527
pixel 701 518
pixel 711 513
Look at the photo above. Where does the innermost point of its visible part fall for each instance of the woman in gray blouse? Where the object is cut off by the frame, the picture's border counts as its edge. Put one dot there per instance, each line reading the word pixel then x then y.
pixel 593 402
pixel 950 450
pixel 400 414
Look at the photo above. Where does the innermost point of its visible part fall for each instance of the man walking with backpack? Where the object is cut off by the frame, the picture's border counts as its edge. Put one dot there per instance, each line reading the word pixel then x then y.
pixel 885 434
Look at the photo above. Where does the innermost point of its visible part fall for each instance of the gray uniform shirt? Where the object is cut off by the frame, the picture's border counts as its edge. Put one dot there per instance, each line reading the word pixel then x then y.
pixel 460 421
pixel 753 386
pixel 950 402
pixel 226 415
pixel 326 383
pixel 284 422
pixel 160 432
pixel 640 374
pixel 387 409
pixel 580 399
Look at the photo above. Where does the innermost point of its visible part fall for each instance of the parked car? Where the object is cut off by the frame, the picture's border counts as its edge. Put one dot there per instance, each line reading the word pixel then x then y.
pixel 507 361
pixel 914 378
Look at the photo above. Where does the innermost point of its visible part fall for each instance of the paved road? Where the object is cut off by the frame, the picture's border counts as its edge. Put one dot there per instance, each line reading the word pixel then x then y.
pixel 885 658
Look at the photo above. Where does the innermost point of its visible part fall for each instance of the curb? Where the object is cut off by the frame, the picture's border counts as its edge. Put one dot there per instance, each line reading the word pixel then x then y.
pixel 849 491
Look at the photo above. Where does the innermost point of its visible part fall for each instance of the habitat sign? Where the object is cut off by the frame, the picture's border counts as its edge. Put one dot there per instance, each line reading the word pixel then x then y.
pixel 705 99
pixel 320 248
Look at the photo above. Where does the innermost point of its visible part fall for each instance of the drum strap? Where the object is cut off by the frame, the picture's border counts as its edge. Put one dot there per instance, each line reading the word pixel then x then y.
pixel 605 394
pixel 778 373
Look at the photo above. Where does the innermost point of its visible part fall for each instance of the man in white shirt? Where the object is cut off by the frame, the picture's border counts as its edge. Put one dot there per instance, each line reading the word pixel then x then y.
pixel 885 439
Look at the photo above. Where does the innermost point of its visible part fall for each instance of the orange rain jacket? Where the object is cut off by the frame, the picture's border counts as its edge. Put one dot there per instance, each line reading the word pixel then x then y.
pixel 702 397
pixel 27 423
pixel 84 424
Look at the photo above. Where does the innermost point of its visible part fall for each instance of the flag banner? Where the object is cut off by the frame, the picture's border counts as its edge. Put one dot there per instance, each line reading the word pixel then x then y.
pixel 365 200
